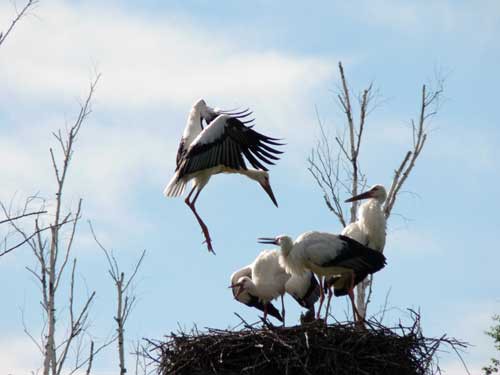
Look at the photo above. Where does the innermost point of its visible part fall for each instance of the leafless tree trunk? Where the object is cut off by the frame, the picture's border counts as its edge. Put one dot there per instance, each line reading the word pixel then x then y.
pixel 335 164
pixel 53 254
pixel 20 14
pixel 125 299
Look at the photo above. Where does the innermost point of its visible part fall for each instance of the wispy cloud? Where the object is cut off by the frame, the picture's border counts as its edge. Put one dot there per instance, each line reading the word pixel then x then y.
pixel 427 17
pixel 158 65
pixel 163 61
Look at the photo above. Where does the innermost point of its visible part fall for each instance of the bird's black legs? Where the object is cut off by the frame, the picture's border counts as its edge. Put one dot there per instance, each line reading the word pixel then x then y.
pixel 200 221
pixel 321 296
pixel 283 310
pixel 265 312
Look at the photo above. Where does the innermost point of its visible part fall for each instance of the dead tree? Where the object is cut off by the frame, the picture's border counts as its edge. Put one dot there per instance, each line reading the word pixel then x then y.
pixel 19 15
pixel 335 163
pixel 17 218
pixel 53 254
pixel 125 299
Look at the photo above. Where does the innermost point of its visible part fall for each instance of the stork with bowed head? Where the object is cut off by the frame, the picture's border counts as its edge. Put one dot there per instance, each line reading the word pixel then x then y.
pixel 369 229
pixel 257 284
pixel 220 147
pixel 327 255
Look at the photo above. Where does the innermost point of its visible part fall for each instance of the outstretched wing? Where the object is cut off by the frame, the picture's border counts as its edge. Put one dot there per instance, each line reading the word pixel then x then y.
pixel 227 141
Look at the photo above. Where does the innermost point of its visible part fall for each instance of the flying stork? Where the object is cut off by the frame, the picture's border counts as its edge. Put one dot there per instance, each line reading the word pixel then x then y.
pixel 220 147
pixel 327 255
pixel 257 284
pixel 369 230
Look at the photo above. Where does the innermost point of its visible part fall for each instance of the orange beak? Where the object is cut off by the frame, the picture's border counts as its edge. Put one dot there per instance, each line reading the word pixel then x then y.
pixel 267 188
pixel 365 195
pixel 239 290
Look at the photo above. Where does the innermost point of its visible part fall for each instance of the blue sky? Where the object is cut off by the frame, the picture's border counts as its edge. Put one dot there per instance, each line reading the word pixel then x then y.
pixel 157 58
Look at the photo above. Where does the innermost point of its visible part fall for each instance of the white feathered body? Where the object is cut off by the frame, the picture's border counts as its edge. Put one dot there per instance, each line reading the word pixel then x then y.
pixel 311 251
pixel 268 276
pixel 370 228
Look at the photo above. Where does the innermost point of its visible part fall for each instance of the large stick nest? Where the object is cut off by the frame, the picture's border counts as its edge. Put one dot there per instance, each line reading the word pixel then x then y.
pixel 313 348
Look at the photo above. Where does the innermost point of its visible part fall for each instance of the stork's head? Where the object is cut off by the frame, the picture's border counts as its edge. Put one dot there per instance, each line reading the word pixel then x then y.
pixel 376 192
pixel 244 284
pixel 200 104
pixel 285 242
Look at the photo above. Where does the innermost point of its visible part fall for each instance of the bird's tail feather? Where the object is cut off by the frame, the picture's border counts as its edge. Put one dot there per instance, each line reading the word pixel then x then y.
pixel 175 187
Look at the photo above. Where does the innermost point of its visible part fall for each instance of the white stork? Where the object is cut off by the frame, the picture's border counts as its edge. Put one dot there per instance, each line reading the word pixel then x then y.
pixel 220 147
pixel 257 284
pixel 369 229
pixel 326 255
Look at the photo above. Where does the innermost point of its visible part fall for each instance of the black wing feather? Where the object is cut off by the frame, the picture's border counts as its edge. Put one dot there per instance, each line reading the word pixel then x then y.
pixel 312 294
pixel 361 259
pixel 271 310
pixel 237 140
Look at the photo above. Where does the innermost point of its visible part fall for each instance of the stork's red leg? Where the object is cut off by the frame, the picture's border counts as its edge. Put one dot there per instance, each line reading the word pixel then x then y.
pixel 321 296
pixel 283 310
pixel 357 316
pixel 200 221
pixel 330 294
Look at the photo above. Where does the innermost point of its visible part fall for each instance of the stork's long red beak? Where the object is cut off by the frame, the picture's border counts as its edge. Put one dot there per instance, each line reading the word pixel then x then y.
pixel 267 240
pixel 267 188
pixel 365 195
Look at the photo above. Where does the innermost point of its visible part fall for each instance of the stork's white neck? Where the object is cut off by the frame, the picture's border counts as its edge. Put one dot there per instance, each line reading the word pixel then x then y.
pixel 193 126
pixel 372 222
pixel 289 259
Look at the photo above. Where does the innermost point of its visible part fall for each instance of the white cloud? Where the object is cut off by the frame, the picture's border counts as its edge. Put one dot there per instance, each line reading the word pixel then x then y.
pixel 145 62
pixel 18 355
pixel 427 17
pixel 159 64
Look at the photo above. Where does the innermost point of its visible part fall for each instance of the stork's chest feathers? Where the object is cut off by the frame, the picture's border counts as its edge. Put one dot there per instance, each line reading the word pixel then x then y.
pixel 373 223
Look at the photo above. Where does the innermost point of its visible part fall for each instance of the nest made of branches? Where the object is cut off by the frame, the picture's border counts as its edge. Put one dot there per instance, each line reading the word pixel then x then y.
pixel 312 348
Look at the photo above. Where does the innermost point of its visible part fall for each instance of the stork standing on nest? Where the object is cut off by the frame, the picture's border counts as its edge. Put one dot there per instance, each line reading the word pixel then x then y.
pixel 220 147
pixel 257 284
pixel 369 230
pixel 326 255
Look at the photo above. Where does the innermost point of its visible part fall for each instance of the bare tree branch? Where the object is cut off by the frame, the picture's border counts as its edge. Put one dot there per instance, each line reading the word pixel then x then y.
pixel 332 170
pixel 125 301
pixel 21 14
pixel 428 108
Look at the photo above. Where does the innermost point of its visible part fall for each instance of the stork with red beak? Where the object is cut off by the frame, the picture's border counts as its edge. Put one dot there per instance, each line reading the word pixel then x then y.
pixel 328 255
pixel 265 279
pixel 220 147
pixel 369 229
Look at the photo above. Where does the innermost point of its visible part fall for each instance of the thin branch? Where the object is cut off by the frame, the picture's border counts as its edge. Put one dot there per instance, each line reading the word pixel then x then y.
pixel 18 17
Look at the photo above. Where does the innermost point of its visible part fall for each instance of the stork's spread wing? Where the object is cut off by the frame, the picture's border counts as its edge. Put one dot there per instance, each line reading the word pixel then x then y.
pixel 180 153
pixel 225 142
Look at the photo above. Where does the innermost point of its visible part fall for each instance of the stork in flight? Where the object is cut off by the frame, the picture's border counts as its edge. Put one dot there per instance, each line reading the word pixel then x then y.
pixel 257 284
pixel 220 147
pixel 369 230
pixel 327 255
